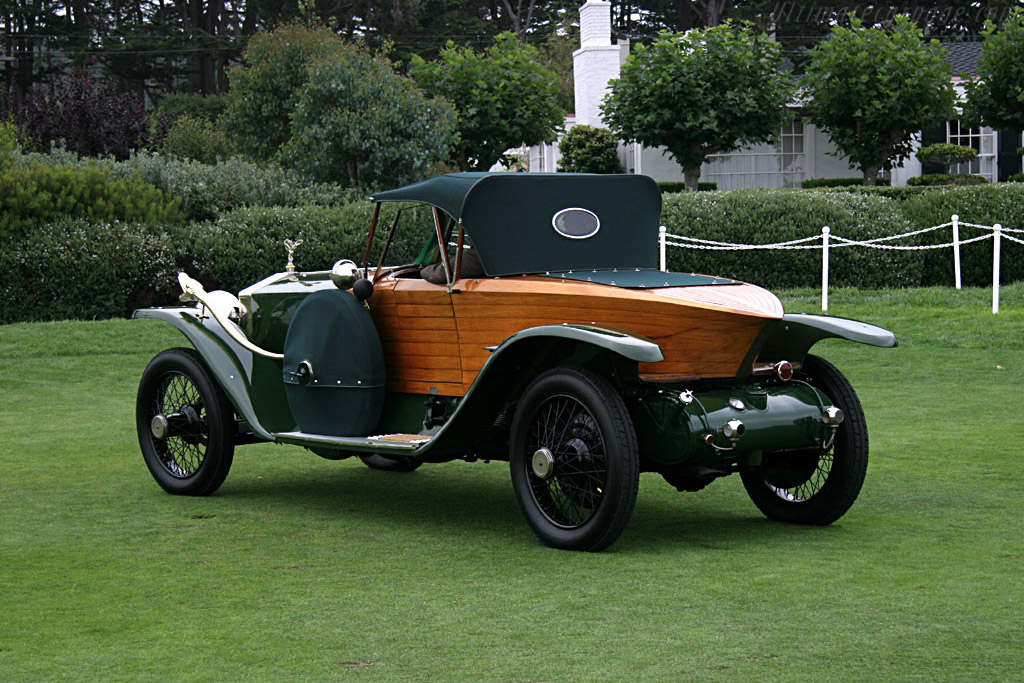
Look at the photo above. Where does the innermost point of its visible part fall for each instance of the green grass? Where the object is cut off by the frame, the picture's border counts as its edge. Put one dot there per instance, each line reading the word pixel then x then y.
pixel 306 569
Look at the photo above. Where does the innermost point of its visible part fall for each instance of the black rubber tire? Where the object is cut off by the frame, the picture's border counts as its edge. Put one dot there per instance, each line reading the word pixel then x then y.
pixel 579 417
pixel 196 463
pixel 815 488
pixel 400 464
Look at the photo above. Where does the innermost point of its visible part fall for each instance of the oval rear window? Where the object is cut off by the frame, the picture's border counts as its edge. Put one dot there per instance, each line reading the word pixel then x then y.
pixel 576 223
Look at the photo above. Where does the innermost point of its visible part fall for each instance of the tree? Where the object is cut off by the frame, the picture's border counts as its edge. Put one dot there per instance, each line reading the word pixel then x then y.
pixel 946 154
pixel 873 89
pixel 587 149
pixel 503 96
pixel 265 90
pixel 357 120
pixel 997 97
pixel 708 91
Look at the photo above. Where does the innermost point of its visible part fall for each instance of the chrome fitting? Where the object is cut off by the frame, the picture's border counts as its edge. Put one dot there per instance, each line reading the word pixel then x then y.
pixel 733 430
pixel 832 416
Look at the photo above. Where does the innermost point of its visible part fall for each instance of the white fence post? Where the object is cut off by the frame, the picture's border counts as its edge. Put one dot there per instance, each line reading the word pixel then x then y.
pixel 663 262
pixel 997 231
pixel 824 267
pixel 956 249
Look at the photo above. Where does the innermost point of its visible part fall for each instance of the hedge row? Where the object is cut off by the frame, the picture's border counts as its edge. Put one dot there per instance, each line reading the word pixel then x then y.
pixel 206 190
pixel 82 269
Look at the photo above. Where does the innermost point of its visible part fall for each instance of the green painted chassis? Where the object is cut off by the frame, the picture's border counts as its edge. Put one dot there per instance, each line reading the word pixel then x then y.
pixel 476 424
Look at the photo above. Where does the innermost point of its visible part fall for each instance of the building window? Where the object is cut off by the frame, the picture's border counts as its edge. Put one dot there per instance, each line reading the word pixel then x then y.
pixel 981 139
pixel 780 164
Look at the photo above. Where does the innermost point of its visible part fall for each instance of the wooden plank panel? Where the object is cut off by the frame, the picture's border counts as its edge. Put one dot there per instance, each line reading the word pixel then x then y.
pixel 425 375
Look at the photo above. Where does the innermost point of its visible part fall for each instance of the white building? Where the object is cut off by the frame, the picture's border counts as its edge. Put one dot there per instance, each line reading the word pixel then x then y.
pixel 801 151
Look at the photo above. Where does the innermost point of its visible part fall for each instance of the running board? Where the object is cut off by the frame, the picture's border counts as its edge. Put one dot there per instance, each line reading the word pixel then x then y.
pixel 394 443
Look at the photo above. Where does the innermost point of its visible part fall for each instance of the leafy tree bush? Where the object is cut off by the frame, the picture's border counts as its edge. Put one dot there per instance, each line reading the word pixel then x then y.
pixel 86 115
pixel 29 196
pixel 588 149
pixel 358 122
pixel 1015 178
pixel 504 98
pixel 197 139
pixel 946 154
pixel 872 89
pixel 707 91
pixel 768 216
pixel 9 143
pixel 205 107
pixel 996 98
pixel 930 179
pixel 265 89
pixel 84 269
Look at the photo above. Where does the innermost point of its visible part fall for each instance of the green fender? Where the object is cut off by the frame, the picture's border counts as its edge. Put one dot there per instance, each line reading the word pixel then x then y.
pixel 230 363
pixel 631 346
pixel 793 336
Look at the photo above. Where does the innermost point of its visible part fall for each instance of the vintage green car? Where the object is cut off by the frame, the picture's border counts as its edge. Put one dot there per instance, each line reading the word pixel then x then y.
pixel 535 328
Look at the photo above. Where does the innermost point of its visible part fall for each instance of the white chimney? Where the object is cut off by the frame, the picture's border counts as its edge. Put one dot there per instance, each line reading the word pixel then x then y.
pixel 596 62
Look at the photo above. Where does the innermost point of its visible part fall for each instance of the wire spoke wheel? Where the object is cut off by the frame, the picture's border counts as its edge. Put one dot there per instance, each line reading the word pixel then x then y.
pixel 816 486
pixel 571 493
pixel 574 461
pixel 185 424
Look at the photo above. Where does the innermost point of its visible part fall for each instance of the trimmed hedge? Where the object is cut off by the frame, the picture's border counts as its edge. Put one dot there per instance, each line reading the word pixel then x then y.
pixel 681 187
pixel 769 216
pixel 247 244
pixel 947 179
pixel 29 196
pixel 81 269
pixel 812 183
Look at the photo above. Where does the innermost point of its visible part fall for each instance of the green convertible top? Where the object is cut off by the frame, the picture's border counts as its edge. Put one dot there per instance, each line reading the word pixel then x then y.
pixel 540 222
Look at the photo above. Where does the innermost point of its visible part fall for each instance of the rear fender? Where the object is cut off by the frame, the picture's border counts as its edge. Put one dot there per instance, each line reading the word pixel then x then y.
pixel 793 336
pixel 231 364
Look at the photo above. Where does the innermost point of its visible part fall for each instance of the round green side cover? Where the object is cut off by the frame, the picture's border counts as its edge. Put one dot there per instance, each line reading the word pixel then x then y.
pixel 335 334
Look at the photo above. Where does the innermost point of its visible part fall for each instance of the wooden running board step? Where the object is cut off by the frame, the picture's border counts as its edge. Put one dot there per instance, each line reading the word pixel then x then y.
pixel 382 442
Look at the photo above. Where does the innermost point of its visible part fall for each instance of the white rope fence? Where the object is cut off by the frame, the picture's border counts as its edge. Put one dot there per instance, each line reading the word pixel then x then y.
pixel 827 241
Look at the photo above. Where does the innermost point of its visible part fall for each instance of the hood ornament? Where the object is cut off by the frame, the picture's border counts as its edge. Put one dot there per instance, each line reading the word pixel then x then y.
pixel 290 246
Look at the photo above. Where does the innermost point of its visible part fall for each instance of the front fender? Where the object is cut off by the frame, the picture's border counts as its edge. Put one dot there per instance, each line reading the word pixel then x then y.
pixel 792 337
pixel 230 363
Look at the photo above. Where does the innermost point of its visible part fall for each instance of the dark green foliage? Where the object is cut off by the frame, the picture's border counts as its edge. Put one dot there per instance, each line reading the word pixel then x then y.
pixel 265 89
pixel 930 179
pixel 173 106
pixel 1001 203
pixel 681 187
pixel 358 123
pixel 246 245
pixel 29 196
pixel 769 216
pixel 811 183
pixel 996 98
pixel 873 89
pixel 84 269
pixel 705 92
pixel 1016 178
pixel 503 95
pixel 206 190
pixel 588 149
pixel 946 154
pixel 197 139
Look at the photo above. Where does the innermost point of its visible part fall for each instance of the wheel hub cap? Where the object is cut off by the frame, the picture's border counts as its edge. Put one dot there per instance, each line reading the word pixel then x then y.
pixel 159 426
pixel 543 463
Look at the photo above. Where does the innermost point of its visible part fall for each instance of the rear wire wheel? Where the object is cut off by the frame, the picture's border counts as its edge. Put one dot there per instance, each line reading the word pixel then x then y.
pixel 574 462
pixel 816 487
pixel 185 424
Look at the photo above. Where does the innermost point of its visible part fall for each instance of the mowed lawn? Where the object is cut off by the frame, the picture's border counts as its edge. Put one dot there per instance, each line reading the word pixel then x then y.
pixel 301 568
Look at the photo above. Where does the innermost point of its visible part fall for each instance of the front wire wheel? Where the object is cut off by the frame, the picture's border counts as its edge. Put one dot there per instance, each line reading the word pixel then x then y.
pixel 574 462
pixel 185 424
pixel 814 486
